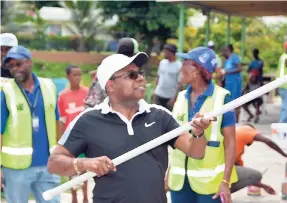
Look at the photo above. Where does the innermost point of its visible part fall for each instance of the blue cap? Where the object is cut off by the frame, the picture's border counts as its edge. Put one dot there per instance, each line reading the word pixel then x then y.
pixel 205 57
pixel 18 53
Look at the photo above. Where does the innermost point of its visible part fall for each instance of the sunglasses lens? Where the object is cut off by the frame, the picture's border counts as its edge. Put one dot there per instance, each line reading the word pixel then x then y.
pixel 133 75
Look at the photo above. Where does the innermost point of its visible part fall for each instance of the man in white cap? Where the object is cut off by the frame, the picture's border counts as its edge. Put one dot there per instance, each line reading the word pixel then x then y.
pixel 216 75
pixel 7 41
pixel 121 123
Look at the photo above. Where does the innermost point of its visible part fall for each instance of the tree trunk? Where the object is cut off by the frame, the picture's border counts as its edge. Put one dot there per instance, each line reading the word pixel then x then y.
pixel 82 43
pixel 148 52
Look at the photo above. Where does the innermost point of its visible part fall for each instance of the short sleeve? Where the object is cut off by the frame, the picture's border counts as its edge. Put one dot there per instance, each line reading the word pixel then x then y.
pixel 73 138
pixel 61 106
pixel 235 59
pixel 250 135
pixel 229 118
pixel 159 68
pixel 169 124
pixel 178 73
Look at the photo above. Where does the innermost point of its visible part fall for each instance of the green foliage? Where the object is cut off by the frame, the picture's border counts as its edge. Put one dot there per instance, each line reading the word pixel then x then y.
pixel 268 39
pixel 85 21
pixel 148 19
pixel 40 4
pixel 57 70
pixel 59 43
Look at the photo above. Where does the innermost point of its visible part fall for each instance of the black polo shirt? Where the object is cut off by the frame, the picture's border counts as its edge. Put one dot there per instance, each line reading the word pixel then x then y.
pixel 102 132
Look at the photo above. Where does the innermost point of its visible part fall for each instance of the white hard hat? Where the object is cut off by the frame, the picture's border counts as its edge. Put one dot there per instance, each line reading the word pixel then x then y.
pixel 8 39
pixel 210 44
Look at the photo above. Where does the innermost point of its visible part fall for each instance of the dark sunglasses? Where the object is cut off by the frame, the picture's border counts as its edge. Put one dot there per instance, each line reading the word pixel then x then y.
pixel 133 75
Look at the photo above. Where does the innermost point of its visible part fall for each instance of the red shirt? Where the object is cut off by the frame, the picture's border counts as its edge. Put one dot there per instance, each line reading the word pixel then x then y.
pixel 71 103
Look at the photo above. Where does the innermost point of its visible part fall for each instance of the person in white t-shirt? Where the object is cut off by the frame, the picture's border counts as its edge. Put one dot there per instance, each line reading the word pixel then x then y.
pixel 168 80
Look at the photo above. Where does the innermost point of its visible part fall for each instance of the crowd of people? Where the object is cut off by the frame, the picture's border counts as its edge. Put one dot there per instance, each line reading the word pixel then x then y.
pixel 45 135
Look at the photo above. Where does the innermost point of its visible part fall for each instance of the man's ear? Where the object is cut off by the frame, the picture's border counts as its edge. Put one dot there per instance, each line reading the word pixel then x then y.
pixel 110 86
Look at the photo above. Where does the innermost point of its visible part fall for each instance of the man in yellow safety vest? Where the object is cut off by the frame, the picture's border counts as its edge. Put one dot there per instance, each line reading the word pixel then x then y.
pixel 28 129
pixel 282 70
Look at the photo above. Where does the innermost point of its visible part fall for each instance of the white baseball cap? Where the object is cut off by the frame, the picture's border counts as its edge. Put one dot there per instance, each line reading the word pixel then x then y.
pixel 210 44
pixel 116 62
pixel 8 39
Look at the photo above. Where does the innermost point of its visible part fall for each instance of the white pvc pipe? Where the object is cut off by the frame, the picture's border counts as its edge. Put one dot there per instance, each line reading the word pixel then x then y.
pixel 49 194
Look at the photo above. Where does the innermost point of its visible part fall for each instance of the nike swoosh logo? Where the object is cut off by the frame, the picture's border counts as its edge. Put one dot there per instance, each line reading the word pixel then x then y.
pixel 148 125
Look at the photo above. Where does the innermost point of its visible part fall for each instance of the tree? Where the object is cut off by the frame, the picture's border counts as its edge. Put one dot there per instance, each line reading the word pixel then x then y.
pixel 85 20
pixel 40 4
pixel 146 19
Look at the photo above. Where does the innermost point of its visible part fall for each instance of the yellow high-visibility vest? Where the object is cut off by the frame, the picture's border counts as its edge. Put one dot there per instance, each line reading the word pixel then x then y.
pixel 206 175
pixel 17 146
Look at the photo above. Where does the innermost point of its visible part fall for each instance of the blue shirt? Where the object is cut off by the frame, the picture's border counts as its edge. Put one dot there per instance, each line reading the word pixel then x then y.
pixel 231 64
pixel 255 65
pixel 228 119
pixel 40 139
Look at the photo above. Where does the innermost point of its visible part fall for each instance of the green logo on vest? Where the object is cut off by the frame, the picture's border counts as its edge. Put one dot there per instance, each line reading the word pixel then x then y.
pixel 20 107
pixel 180 117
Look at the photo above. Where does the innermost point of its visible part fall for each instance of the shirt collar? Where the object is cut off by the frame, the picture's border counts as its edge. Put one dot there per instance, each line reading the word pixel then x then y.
pixel 106 108
pixel 208 92
pixel 36 80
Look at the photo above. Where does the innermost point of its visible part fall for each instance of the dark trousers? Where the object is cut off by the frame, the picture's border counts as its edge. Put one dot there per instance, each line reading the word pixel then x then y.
pixel 187 195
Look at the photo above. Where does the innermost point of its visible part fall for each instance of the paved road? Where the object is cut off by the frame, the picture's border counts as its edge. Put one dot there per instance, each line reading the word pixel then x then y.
pixel 257 156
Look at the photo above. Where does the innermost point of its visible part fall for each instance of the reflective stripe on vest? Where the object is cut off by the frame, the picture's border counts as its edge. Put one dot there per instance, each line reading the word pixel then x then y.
pixel 21 151
pixel 198 173
pixel 17 143
pixel 214 125
pixel 17 151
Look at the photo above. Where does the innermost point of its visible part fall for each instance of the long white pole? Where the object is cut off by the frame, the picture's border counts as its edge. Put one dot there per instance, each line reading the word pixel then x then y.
pixel 49 194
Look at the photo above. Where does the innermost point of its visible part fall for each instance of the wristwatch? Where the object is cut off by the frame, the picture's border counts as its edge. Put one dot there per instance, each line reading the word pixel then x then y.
pixel 196 136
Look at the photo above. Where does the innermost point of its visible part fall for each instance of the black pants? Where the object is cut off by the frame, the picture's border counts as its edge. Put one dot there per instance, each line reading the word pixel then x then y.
pixel 163 102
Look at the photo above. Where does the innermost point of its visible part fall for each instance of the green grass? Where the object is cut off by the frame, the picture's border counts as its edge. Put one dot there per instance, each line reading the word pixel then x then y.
pixel 57 70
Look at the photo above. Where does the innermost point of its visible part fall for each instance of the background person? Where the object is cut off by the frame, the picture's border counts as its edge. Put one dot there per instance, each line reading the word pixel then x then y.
pixel 257 65
pixel 253 83
pixel 30 129
pixel 168 80
pixel 231 74
pixel 246 135
pixel 282 70
pixel 71 103
pixel 201 181
pixel 217 76
pixel 7 41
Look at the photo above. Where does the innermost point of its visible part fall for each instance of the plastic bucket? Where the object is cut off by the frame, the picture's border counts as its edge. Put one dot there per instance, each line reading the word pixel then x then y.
pixel 279 134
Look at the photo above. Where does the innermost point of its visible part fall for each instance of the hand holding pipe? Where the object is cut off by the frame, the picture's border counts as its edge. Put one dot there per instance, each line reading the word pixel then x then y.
pixel 49 194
